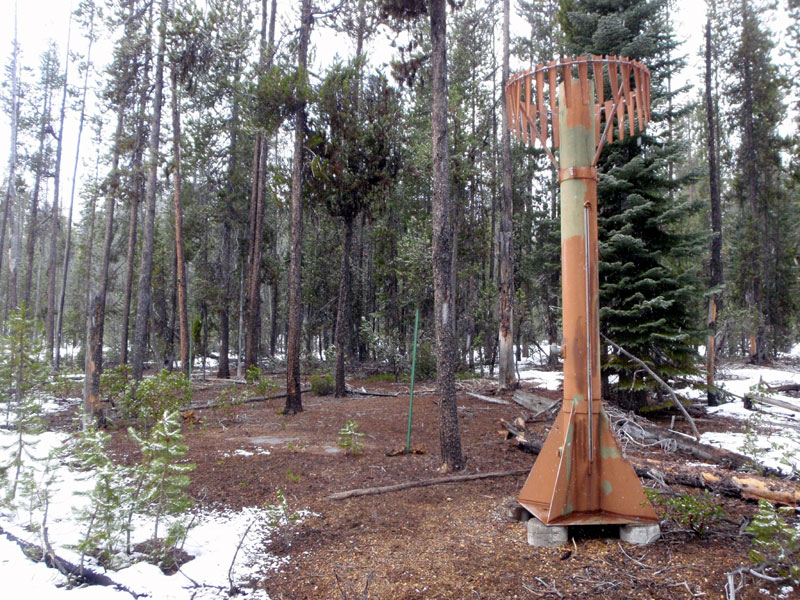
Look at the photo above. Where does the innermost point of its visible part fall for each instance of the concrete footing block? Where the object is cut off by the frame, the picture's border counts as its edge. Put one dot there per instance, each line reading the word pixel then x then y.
pixel 639 534
pixel 545 536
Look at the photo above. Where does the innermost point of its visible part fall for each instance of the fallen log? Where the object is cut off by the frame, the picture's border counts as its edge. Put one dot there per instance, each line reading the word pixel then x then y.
pixel 78 574
pixel 750 398
pixel 424 483
pixel 364 392
pixel 723 481
pixel 487 398
pixel 787 387
pixel 533 402
pixel 237 402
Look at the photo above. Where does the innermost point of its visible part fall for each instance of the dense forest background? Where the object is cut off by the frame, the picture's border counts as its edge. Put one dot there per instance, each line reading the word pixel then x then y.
pixel 238 203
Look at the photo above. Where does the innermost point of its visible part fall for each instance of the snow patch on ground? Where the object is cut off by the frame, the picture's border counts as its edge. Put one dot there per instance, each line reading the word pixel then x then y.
pixel 773 440
pixel 550 380
pixel 213 540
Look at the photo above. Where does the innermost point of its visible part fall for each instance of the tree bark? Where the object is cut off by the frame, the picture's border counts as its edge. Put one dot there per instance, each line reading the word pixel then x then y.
pixel 449 436
pixel 11 190
pixel 68 246
pixel 180 261
pixel 254 260
pixel 144 294
pixel 715 265
pixel 294 401
pixel 98 300
pixel 89 319
pixel 54 224
pixel 138 187
pixel 343 308
pixel 506 376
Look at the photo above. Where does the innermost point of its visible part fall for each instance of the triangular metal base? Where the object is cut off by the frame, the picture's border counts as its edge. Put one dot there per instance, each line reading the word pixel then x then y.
pixel 572 485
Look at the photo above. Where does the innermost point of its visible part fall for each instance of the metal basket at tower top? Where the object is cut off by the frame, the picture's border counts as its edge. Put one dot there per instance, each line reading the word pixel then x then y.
pixel 619 103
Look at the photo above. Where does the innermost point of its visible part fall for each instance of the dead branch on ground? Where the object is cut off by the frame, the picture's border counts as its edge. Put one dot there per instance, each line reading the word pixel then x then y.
pixel 423 483
pixel 652 373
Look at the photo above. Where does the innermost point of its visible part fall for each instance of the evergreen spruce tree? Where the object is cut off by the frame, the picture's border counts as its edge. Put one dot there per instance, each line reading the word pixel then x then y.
pixel 764 285
pixel 648 286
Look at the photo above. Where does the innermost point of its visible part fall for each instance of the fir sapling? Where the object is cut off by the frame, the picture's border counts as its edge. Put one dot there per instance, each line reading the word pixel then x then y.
pixel 776 541
pixel 103 517
pixel 22 373
pixel 162 476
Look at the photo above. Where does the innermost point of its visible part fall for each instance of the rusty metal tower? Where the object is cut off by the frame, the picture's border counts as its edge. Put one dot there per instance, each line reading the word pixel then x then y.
pixel 580 477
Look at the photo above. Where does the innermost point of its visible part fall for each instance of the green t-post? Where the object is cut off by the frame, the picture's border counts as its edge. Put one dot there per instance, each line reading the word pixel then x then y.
pixel 413 369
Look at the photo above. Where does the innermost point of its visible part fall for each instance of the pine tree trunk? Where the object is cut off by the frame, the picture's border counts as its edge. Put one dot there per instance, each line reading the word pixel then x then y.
pixel 294 401
pixel 136 196
pixel 343 308
pixel 223 369
pixel 144 295
pixel 449 436
pixel 68 246
pixel 716 227
pixel 758 339
pixel 54 226
pixel 506 378
pixel 180 266
pixel 254 263
pixel 11 190
pixel 274 299
pixel 89 319
pixel 42 158
pixel 98 300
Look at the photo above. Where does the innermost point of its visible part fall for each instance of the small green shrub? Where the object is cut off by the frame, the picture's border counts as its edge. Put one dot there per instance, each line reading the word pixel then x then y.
pixel 694 512
pixel 348 438
pixel 257 383
pixel 426 361
pixel 253 375
pixel 115 384
pixel 776 542
pixel 322 385
pixel 166 392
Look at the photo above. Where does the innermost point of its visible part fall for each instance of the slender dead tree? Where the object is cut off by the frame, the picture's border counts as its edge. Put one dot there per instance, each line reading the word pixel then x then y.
pixel 253 301
pixel 294 401
pixel 11 190
pixel 506 378
pixel 42 160
pixel 55 218
pixel 68 247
